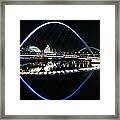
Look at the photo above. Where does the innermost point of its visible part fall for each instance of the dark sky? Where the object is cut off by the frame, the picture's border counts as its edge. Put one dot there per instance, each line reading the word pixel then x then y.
pixel 58 36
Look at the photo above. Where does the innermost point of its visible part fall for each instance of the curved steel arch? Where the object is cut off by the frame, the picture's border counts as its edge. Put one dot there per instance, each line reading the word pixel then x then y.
pixel 70 95
pixel 78 88
pixel 54 22
pixel 90 47
pixel 87 47
pixel 40 96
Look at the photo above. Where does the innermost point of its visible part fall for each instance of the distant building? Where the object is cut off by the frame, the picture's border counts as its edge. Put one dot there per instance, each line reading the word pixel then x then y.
pixel 47 49
pixel 32 49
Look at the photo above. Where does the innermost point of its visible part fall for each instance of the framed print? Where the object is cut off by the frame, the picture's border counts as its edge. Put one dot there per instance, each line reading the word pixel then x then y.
pixel 60 59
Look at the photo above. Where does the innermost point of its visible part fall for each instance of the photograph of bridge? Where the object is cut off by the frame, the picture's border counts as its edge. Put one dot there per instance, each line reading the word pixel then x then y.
pixel 59 60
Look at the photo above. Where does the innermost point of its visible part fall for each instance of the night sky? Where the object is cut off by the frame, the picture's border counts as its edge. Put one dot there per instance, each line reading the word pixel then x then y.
pixel 60 37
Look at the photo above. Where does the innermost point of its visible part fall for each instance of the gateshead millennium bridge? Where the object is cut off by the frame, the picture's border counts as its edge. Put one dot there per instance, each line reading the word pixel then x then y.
pixel 55 62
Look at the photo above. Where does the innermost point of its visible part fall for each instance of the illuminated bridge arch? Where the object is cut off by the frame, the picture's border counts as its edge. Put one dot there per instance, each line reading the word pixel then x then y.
pixel 90 48
pixel 86 47
pixel 55 22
